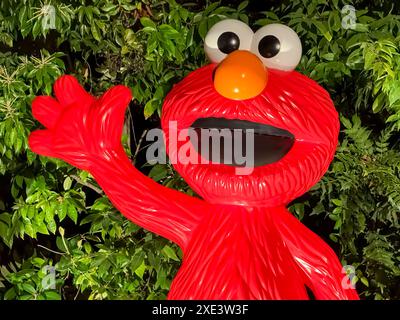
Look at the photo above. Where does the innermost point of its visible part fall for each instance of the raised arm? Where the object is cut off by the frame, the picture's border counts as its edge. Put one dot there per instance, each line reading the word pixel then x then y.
pixel 86 132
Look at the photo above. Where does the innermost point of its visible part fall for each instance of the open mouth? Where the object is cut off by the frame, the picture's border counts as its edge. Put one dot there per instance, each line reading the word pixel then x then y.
pixel 239 142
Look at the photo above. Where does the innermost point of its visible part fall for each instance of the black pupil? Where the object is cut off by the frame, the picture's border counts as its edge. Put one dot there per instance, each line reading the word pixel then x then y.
pixel 228 42
pixel 269 46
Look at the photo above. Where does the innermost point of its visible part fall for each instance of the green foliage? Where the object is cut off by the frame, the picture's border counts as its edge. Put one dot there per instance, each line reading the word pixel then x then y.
pixel 54 215
pixel 361 195
pixel 31 282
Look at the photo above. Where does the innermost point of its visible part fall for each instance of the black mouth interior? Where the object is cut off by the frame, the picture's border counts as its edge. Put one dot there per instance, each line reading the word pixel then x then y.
pixel 270 143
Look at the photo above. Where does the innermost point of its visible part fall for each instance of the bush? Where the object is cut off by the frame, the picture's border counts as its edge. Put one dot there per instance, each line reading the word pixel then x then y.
pixel 52 214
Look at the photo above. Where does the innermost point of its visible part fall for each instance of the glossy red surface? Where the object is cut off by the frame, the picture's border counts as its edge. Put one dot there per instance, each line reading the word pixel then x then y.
pixel 239 242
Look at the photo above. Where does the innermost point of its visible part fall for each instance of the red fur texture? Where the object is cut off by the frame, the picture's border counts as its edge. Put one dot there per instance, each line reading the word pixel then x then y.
pixel 290 101
pixel 239 242
pixel 240 252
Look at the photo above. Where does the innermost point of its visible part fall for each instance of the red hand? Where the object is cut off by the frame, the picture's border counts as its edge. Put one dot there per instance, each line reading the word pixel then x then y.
pixel 86 132
pixel 80 128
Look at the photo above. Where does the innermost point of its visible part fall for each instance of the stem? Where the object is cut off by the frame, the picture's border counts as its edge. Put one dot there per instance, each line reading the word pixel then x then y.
pixel 138 145
pixel 65 245
pixel 87 184
pixel 56 252
pixel 77 293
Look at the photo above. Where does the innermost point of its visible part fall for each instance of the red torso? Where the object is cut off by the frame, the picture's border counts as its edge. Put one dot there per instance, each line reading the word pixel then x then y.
pixel 237 253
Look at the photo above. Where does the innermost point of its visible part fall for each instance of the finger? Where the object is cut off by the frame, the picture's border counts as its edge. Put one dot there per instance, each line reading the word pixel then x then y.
pixel 117 97
pixel 68 91
pixel 46 110
pixel 40 142
pixel 109 115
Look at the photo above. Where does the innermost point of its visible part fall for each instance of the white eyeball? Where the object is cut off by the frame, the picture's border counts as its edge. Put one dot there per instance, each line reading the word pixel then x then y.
pixel 225 37
pixel 278 46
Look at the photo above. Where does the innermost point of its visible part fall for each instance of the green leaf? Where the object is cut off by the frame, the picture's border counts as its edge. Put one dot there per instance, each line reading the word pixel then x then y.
pixel 28 288
pixel 52 226
pixel 379 103
pixel 158 172
pixel 73 213
pixel 95 32
pixel 140 270
pixel 242 5
pixel 52 295
pixel 170 253
pixel 37 28
pixel 364 281
pixel 323 28
pixel 38 261
pixel 149 109
pixel 67 183
pixel 62 210
pixel 109 7
pixel 10 294
pixel 146 22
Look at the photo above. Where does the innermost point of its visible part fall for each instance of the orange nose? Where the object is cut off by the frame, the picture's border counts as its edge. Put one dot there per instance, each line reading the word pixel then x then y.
pixel 241 75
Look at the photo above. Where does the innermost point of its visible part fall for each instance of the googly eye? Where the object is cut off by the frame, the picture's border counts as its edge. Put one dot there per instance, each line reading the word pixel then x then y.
pixel 278 46
pixel 225 37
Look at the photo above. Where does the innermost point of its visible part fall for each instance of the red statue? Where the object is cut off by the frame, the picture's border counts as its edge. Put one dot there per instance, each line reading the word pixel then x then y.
pixel 239 241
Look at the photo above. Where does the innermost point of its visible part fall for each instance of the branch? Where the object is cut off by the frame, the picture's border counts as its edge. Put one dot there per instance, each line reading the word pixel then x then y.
pixel 87 184
pixel 56 252
pixel 138 145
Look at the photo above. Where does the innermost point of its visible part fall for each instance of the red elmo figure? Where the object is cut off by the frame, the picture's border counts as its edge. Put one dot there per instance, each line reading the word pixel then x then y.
pixel 240 242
